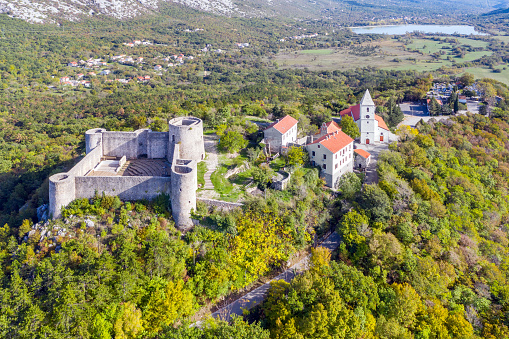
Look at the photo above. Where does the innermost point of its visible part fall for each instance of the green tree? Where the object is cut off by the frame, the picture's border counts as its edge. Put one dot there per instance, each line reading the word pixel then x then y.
pixel 232 142
pixel 376 202
pixel 296 156
pixel 349 184
pixel 263 175
pixel 349 127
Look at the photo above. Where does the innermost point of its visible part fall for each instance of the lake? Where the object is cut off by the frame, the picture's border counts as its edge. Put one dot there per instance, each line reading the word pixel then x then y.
pixel 403 29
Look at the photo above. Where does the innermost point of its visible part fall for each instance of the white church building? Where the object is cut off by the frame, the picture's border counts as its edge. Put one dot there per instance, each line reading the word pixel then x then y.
pixel 371 126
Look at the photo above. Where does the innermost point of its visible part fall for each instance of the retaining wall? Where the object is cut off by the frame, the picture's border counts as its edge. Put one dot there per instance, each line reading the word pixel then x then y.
pixel 222 205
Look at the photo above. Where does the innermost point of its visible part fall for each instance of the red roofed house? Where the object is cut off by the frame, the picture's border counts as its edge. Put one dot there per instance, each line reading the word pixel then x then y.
pixel 371 126
pixel 281 133
pixel 328 127
pixel 362 158
pixel 333 152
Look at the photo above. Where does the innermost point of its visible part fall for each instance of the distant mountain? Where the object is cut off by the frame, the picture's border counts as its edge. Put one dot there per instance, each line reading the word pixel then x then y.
pixel 54 11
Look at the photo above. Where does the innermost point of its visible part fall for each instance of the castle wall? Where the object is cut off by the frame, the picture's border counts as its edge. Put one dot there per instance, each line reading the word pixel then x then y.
pixel 140 143
pixel 126 188
pixel 88 163
pixel 118 144
pixel 157 145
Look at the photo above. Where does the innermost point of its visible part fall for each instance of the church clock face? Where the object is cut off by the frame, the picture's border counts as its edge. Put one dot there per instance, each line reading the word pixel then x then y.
pixel 367 116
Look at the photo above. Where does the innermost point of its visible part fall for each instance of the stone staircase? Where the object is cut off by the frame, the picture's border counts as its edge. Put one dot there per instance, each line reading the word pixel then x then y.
pixel 208 182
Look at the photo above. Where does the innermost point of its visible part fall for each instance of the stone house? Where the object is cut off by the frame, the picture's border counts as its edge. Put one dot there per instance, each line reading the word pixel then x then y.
pixel 362 158
pixel 281 133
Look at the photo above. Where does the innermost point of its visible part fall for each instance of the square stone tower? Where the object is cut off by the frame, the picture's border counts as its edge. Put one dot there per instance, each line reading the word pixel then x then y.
pixel 368 124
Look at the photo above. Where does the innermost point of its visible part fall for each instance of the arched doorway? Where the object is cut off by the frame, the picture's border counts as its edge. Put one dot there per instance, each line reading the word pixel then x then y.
pixel 381 138
pixel 367 141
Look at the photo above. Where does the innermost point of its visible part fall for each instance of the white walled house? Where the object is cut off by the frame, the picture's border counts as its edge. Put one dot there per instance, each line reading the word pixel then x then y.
pixel 371 126
pixel 281 133
pixel 333 152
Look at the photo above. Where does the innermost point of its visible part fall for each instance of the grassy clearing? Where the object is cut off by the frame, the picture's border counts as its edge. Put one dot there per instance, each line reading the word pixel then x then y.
pixel 474 55
pixel 504 38
pixel 317 51
pixel 428 46
pixel 480 72
pixel 277 163
pixel 473 43
pixel 223 186
pixel 202 168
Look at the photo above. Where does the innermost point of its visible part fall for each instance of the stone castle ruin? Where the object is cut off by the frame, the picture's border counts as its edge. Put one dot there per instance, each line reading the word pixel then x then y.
pixel 136 165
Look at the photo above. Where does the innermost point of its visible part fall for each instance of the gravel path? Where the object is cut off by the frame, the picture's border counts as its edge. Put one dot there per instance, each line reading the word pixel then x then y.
pixel 256 296
pixel 210 142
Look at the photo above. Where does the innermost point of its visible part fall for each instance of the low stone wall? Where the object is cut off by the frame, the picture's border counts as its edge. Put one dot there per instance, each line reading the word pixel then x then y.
pixel 121 163
pixel 126 188
pixel 281 185
pixel 236 170
pixel 222 205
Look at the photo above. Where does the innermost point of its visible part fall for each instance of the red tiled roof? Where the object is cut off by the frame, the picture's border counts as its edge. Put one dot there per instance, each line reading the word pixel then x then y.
pixel 362 153
pixel 332 126
pixel 334 142
pixel 381 122
pixel 353 111
pixel 284 125
pixel 438 100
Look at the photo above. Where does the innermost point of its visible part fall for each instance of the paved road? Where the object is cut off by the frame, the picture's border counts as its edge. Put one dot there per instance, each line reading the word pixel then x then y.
pixel 374 149
pixel 256 296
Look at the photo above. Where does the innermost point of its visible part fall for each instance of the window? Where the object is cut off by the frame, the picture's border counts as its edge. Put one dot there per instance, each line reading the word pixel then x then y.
pixel 313 153
pixel 318 146
pixel 325 156
pixel 336 167
pixel 335 156
pixel 324 166
pixel 367 110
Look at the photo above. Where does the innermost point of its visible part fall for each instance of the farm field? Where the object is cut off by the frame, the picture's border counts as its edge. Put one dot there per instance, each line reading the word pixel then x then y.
pixel 485 72
pixel 388 54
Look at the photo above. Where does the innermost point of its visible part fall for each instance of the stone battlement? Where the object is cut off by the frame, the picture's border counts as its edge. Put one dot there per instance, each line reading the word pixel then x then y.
pixel 182 147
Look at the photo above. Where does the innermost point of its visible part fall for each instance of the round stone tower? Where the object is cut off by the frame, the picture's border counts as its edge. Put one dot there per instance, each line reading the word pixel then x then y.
pixel 93 138
pixel 184 184
pixel 188 132
pixel 61 192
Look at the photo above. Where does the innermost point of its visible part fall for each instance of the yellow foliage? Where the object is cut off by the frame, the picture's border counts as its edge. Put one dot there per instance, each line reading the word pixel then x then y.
pixel 261 241
pixel 128 323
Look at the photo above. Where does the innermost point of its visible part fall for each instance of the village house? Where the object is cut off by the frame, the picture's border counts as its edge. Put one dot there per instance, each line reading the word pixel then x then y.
pixel 362 158
pixel 333 153
pixel 281 133
pixel 158 67
pixel 328 127
pixel 72 64
pixel 371 126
